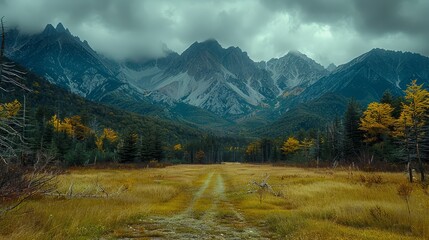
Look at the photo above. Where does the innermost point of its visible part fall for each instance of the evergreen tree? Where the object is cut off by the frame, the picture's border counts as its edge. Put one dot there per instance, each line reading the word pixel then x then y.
pixel 128 150
pixel 394 102
pixel 353 136
pixel 151 148
pixel 157 153
pixel 266 147
pixel 387 97
pixel 145 150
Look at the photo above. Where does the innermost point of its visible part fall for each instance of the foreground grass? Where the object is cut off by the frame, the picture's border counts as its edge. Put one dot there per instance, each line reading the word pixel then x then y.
pixel 148 192
pixel 313 204
pixel 326 204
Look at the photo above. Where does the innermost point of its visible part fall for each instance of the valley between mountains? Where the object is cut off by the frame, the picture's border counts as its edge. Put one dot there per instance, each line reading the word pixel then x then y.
pixel 208 143
pixel 217 88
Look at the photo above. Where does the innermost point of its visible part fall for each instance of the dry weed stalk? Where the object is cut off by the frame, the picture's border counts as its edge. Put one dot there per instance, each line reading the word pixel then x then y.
pixel 404 191
pixel 95 190
pixel 263 187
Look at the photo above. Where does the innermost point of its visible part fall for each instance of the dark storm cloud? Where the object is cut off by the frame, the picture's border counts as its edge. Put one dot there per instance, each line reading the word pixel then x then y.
pixel 395 24
pixel 323 11
pixel 372 16
pixel 326 30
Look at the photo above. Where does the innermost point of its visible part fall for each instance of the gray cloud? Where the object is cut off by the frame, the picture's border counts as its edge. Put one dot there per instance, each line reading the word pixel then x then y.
pixel 326 30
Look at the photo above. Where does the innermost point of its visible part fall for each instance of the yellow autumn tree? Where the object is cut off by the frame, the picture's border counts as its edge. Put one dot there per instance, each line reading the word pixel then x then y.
pixel 411 123
pixel 8 110
pixel 377 121
pixel 109 135
pixel 291 145
pixel 177 147
pixel 56 123
pixel 73 126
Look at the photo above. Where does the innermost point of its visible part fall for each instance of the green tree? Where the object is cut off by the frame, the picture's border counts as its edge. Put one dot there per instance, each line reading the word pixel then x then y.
pixel 266 148
pixel 157 152
pixel 353 136
pixel 151 147
pixel 128 150
pixel 394 101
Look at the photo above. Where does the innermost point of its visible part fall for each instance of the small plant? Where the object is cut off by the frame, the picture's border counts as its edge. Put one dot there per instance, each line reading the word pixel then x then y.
pixel 370 180
pixel 263 187
pixel 404 191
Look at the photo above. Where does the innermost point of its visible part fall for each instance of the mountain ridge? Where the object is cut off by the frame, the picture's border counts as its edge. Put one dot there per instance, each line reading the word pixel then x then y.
pixel 209 84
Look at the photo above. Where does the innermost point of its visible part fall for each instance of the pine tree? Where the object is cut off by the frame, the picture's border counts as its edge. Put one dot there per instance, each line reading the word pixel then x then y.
pixel 353 136
pixel 145 150
pixel 395 102
pixel 157 153
pixel 387 97
pixel 266 148
pixel 128 150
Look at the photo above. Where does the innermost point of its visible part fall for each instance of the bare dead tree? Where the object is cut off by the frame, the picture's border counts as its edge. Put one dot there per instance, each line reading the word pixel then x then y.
pixel 18 182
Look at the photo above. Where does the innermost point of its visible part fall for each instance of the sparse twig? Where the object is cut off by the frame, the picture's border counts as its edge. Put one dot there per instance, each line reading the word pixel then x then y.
pixel 263 187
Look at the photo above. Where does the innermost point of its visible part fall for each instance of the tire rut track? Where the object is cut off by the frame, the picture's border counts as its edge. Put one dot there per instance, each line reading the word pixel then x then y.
pixel 220 221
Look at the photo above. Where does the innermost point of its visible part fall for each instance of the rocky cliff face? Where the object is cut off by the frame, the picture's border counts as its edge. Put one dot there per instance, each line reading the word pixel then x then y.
pixel 207 77
pixel 294 70
pixel 65 60
pixel 366 77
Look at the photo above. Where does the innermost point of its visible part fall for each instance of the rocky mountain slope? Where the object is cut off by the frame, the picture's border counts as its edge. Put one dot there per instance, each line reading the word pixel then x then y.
pixel 210 85
pixel 65 60
pixel 366 77
pixel 294 70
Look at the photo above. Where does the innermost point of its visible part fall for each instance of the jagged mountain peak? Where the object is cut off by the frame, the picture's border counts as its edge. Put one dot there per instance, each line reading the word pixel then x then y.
pixel 49 30
pixel 297 53
pixel 210 42
pixel 60 28
pixel 207 44
pixel 304 57
pixel 293 70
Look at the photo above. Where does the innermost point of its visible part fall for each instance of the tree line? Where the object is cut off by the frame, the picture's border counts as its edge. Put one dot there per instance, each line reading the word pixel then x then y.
pixel 393 131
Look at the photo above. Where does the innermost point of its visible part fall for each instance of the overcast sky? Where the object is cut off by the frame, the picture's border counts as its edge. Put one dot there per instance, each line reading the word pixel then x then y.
pixel 326 30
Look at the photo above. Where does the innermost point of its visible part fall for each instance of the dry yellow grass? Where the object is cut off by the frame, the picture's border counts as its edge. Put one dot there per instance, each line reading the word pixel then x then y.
pixel 331 204
pixel 313 204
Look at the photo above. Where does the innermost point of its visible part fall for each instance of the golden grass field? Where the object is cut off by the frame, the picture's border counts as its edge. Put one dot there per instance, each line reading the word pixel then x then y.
pixel 219 202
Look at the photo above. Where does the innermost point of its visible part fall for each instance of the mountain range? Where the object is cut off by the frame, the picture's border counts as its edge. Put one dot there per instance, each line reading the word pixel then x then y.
pixel 211 86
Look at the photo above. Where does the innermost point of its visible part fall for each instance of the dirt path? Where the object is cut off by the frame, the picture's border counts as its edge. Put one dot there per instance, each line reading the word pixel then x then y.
pixel 208 216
